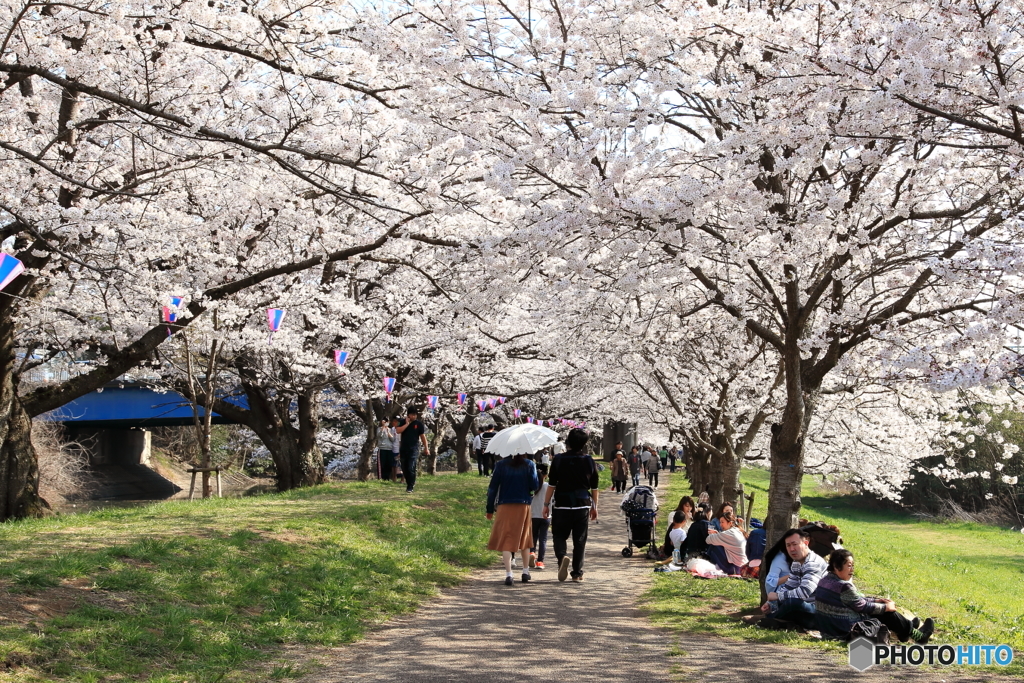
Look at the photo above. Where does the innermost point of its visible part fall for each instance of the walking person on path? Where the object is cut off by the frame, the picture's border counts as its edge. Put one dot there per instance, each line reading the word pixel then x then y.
pixel 653 466
pixel 412 435
pixel 634 465
pixel 573 482
pixel 510 493
pixel 620 472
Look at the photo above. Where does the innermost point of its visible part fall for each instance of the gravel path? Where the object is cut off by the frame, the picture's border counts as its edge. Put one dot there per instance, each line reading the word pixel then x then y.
pixel 484 631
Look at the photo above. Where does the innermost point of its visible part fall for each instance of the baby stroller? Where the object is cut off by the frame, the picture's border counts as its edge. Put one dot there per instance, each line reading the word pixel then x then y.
pixel 641 508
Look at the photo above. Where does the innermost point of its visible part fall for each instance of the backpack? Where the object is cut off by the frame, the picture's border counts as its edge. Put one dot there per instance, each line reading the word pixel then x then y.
pixel 824 539
pixel 872 629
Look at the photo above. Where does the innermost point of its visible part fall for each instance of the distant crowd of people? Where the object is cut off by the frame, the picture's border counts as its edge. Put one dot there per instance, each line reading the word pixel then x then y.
pixel 643 461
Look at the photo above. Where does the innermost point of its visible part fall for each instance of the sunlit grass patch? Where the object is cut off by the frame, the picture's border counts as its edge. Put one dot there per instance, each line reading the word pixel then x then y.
pixel 208 590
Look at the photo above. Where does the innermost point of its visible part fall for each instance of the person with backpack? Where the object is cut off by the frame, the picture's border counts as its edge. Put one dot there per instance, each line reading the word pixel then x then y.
pixel 573 487
pixel 653 465
pixel 839 606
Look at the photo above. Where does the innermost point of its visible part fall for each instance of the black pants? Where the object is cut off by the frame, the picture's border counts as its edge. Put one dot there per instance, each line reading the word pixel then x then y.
pixel 570 522
pixel 672 465
pixel 898 624
pixel 620 485
pixel 480 463
pixel 384 462
pixel 652 478
pixel 409 460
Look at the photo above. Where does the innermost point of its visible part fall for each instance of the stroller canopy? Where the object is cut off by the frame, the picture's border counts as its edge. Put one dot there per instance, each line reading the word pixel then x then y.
pixel 639 499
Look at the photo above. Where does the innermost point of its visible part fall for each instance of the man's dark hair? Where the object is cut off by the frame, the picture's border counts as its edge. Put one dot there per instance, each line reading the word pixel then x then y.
pixel 679 517
pixel 838 558
pixel 577 440
pixel 413 410
pixel 488 427
pixel 799 532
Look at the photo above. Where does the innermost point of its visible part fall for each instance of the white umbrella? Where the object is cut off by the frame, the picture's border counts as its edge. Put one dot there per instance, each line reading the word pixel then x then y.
pixel 525 439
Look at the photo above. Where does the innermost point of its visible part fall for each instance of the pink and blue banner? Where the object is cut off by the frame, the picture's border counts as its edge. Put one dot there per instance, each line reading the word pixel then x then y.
pixel 501 400
pixel 10 268
pixel 340 357
pixel 432 402
pixel 481 406
pixel 274 318
pixel 516 413
pixel 491 403
pixel 462 399
pixel 389 385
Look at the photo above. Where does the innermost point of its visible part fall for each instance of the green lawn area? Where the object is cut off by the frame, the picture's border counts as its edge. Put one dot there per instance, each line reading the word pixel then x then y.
pixel 970 577
pixel 214 590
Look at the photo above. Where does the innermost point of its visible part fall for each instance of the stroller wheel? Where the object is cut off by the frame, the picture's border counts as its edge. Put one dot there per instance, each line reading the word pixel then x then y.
pixel 627 552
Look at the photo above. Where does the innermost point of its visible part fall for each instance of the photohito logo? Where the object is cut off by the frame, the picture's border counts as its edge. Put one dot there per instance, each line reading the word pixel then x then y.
pixel 864 654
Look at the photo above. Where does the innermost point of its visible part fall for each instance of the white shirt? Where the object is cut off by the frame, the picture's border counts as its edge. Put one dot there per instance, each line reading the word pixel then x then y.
pixel 677 536
pixel 537 504
pixel 476 443
pixel 558 448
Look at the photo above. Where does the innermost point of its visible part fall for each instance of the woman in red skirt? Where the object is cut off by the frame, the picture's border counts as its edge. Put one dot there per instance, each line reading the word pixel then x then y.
pixel 513 484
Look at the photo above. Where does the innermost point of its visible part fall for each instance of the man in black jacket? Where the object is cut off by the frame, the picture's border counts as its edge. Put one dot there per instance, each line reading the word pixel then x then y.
pixel 573 483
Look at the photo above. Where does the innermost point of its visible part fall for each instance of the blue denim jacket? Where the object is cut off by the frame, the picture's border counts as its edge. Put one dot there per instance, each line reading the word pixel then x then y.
pixel 512 484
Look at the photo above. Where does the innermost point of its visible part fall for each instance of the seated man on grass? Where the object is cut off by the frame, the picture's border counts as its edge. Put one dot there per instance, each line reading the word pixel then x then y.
pixel 792 601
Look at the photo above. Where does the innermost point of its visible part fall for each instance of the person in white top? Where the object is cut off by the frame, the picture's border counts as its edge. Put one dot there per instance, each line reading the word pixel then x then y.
pixel 559 447
pixel 540 522
pixel 478 455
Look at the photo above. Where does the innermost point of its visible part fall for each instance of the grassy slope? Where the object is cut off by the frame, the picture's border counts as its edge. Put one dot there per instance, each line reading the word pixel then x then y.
pixel 970 577
pixel 209 590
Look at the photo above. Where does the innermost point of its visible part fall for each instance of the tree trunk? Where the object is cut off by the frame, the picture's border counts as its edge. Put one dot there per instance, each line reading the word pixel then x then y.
pixel 366 452
pixel 19 472
pixel 462 430
pixel 787 470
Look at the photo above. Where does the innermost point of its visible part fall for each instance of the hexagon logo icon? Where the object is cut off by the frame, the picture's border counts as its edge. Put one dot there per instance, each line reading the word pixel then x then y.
pixel 862 654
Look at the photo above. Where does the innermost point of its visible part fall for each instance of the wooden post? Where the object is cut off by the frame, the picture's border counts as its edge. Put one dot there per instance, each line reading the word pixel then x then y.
pixel 218 483
pixel 750 500
pixel 746 523
pixel 192 487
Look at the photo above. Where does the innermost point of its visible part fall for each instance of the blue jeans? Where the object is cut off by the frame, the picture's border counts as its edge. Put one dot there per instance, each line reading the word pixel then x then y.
pixel 798 611
pixel 409 460
pixel 540 537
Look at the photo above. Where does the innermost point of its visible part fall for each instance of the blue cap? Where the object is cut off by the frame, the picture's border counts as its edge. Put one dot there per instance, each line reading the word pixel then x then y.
pixel 756 523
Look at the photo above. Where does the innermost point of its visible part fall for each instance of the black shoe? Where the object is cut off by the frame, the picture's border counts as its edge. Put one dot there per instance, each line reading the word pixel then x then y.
pixel 508 580
pixel 915 622
pixel 525 578
pixel 927 629
pixel 408 490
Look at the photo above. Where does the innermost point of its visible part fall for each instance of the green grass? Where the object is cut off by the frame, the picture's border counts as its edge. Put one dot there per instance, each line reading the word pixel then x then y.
pixel 213 590
pixel 970 577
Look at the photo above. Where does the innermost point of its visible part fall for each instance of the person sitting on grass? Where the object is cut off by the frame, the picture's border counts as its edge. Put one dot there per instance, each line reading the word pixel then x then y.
pixel 792 601
pixel 676 537
pixel 727 548
pixel 839 605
